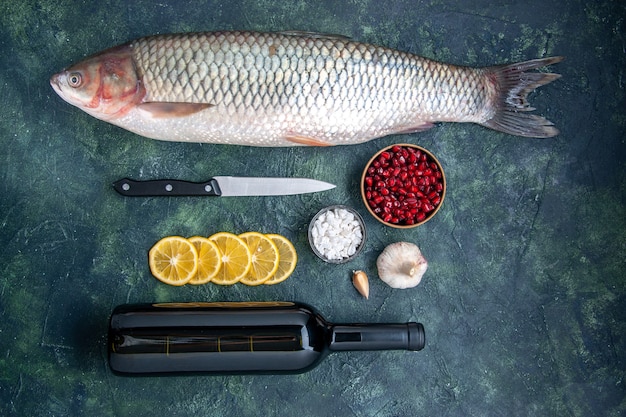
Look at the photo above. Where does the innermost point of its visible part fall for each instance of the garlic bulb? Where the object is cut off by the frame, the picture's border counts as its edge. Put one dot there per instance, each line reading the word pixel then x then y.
pixel 401 265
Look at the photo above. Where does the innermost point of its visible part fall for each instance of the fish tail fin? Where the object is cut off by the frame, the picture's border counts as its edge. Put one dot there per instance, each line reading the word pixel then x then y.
pixel 513 86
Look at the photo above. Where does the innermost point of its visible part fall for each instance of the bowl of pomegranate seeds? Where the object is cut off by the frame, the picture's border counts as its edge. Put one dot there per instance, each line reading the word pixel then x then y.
pixel 403 185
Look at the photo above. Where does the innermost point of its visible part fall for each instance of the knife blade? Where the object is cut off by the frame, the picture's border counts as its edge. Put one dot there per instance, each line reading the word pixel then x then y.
pixel 221 187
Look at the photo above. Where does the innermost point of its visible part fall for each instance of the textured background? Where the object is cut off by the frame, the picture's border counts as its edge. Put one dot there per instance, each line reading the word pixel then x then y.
pixel 524 299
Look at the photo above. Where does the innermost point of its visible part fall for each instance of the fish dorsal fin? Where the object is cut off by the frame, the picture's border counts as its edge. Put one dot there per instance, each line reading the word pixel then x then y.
pixel 159 109
pixel 314 35
pixel 306 140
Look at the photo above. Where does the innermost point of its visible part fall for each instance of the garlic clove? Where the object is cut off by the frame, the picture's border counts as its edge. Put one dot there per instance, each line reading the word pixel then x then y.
pixel 361 283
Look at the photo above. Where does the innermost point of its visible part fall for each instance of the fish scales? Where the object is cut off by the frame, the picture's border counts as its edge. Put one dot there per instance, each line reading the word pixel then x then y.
pixel 355 84
pixel 284 89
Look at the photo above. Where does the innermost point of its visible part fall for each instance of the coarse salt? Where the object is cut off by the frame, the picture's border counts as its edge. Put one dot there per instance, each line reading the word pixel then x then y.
pixel 337 234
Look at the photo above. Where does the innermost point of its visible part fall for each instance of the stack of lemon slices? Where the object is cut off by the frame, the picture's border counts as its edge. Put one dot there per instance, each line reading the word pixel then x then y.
pixel 251 258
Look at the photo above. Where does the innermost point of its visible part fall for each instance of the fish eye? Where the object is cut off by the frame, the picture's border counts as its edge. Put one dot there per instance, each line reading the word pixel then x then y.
pixel 75 79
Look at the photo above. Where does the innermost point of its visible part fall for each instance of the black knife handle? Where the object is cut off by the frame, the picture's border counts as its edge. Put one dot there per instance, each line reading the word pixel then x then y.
pixel 159 188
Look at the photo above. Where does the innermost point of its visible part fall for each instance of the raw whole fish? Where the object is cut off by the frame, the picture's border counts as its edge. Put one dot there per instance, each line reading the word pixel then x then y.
pixel 293 88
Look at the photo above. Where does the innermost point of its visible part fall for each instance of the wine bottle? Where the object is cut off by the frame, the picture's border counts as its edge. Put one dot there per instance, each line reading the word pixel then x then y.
pixel 239 337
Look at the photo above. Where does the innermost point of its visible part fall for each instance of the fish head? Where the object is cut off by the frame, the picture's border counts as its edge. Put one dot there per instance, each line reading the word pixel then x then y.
pixel 105 85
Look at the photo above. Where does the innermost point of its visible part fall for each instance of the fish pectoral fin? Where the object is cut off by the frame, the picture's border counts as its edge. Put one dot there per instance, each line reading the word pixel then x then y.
pixel 159 109
pixel 307 141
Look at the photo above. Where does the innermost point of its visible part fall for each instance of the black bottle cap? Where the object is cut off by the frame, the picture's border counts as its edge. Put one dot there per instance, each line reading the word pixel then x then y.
pixel 417 337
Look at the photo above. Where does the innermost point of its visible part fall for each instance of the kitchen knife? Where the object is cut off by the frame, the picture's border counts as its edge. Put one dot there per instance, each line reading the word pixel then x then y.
pixel 221 187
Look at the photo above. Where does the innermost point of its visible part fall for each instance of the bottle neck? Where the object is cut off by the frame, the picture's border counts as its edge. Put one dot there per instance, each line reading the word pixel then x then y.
pixel 407 336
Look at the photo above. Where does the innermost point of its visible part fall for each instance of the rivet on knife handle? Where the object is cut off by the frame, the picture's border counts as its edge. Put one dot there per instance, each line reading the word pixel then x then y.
pixel 159 188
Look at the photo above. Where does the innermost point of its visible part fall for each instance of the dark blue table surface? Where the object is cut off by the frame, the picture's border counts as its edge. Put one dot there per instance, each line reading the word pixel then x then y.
pixel 524 299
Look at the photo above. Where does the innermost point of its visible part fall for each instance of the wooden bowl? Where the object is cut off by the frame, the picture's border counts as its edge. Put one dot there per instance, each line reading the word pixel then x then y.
pixel 403 186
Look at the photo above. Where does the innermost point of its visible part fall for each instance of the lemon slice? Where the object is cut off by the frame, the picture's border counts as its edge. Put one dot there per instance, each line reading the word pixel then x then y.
pixel 173 260
pixel 287 259
pixel 209 260
pixel 235 257
pixel 264 258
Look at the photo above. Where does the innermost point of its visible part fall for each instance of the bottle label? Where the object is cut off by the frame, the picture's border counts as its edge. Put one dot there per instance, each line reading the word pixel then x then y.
pixel 227 304
pixel 187 340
